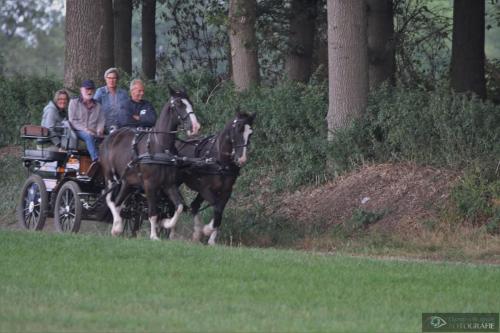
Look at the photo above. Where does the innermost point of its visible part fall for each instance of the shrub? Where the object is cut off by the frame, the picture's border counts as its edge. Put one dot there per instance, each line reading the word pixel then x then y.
pixel 438 127
pixel 23 99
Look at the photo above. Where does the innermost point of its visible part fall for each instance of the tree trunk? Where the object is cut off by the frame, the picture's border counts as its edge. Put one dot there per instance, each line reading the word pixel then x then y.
pixel 89 41
pixel 123 34
pixel 381 56
pixel 149 39
pixel 467 51
pixel 301 40
pixel 242 16
pixel 347 63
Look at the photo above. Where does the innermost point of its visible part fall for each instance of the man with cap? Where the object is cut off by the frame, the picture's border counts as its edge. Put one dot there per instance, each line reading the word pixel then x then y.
pixel 86 118
pixel 113 100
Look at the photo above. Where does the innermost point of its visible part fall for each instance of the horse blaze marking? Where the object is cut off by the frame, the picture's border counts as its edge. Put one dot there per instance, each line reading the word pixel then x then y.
pixel 246 135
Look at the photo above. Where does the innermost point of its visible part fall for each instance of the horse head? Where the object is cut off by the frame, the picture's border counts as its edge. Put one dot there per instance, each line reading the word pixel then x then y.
pixel 240 130
pixel 180 102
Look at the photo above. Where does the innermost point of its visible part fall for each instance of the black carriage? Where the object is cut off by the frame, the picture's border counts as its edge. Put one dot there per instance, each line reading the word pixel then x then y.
pixel 65 185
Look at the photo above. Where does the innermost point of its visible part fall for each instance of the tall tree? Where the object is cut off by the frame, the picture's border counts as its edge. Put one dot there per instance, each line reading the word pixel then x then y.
pixel 89 40
pixel 123 34
pixel 148 22
pixel 301 39
pixel 347 62
pixel 467 50
pixel 381 44
pixel 242 15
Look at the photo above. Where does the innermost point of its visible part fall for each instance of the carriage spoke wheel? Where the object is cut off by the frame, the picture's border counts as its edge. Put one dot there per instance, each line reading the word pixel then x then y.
pixel 68 208
pixel 33 202
pixel 133 217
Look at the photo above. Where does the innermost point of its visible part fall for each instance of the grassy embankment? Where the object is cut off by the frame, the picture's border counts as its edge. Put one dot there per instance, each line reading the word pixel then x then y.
pixel 56 283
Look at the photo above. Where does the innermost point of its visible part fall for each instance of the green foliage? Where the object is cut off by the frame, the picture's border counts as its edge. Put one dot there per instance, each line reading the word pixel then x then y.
pixel 32 37
pixel 289 140
pixel 361 219
pixel 11 183
pixel 23 99
pixel 436 127
pixel 477 197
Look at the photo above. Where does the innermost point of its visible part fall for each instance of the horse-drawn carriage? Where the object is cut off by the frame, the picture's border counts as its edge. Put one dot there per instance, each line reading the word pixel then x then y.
pixel 66 186
pixel 138 176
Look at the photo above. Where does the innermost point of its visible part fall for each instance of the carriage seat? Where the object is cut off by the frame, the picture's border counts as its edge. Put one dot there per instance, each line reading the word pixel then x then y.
pixel 44 155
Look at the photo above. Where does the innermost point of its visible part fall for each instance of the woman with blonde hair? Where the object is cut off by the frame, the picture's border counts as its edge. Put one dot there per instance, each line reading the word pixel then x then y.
pixel 55 113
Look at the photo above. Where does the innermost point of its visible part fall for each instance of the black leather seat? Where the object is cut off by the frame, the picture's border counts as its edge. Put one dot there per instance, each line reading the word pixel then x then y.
pixel 44 155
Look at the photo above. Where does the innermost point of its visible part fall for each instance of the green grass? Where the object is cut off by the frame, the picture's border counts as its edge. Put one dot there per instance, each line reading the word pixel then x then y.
pixel 82 283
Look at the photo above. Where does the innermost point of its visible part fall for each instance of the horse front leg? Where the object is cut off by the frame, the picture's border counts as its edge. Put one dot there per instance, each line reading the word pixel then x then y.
pixel 211 230
pixel 115 209
pixel 152 212
pixel 169 223
pixel 219 203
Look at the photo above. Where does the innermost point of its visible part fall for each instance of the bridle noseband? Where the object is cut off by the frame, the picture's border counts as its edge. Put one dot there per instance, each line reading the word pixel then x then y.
pixel 179 115
pixel 233 141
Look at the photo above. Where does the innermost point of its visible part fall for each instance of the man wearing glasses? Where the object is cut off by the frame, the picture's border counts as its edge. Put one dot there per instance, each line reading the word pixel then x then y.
pixel 113 100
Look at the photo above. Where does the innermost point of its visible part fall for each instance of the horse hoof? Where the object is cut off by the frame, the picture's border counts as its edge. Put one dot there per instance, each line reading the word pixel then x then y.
pixel 196 236
pixel 154 238
pixel 207 230
pixel 167 223
pixel 116 233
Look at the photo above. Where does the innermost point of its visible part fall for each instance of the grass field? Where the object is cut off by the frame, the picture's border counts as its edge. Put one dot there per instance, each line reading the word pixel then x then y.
pixel 87 283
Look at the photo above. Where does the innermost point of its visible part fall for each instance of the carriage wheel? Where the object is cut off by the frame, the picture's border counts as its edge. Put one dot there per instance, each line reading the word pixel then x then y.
pixel 33 203
pixel 133 216
pixel 68 208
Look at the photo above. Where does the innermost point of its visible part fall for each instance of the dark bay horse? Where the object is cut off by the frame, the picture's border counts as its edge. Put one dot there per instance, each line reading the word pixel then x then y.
pixel 214 182
pixel 144 160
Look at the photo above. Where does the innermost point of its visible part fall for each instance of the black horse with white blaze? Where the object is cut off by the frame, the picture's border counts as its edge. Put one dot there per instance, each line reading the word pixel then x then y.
pixel 134 159
pixel 227 151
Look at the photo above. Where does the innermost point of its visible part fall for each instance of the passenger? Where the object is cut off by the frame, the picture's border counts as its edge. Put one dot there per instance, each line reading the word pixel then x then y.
pixel 55 114
pixel 113 100
pixel 139 112
pixel 86 118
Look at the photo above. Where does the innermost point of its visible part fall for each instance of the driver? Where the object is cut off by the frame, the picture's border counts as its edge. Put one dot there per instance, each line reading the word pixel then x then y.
pixel 138 112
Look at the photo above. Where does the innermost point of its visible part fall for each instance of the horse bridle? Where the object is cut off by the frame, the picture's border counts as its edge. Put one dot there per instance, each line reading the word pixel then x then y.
pixel 179 116
pixel 231 137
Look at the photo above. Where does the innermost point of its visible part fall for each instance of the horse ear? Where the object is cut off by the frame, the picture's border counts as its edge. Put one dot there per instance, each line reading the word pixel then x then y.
pixel 252 117
pixel 172 91
pixel 238 111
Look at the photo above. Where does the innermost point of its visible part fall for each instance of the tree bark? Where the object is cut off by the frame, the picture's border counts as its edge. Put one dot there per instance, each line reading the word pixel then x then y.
pixel 298 64
pixel 149 38
pixel 245 67
pixel 123 34
pixel 381 48
pixel 89 41
pixel 347 63
pixel 467 50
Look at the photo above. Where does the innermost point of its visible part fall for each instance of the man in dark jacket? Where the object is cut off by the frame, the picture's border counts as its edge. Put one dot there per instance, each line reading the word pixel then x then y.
pixel 139 112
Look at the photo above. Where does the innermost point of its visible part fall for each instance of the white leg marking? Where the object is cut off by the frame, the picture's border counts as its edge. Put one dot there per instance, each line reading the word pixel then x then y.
pixel 209 228
pixel 198 227
pixel 170 223
pixel 117 228
pixel 153 235
pixel 213 236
